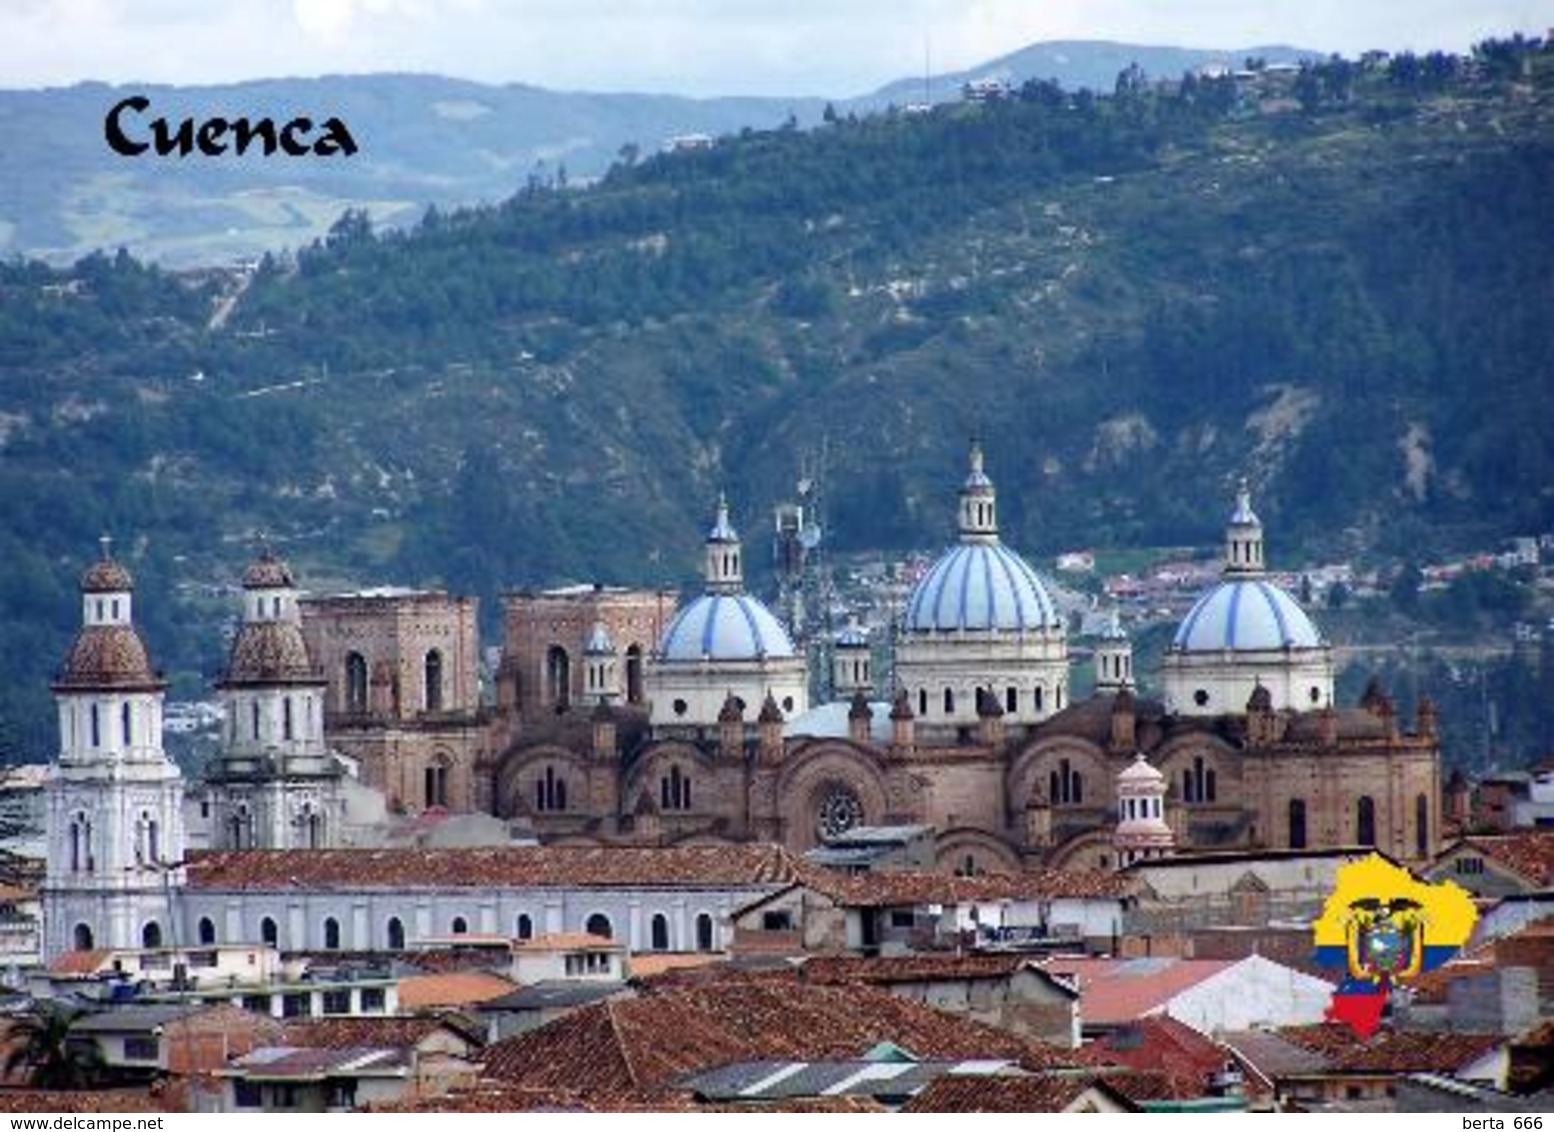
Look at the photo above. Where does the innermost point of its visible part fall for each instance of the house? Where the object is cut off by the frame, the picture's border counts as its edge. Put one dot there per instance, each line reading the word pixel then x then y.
pixel 644 1045
pixel 1008 991
pixel 1327 1066
pixel 138 1043
pixel 568 956
pixel 21 943
pixel 1192 1064
pixel 443 1050
pixel 1210 995
pixel 900 911
pixel 290 1079
pixel 1499 865
pixel 536 1005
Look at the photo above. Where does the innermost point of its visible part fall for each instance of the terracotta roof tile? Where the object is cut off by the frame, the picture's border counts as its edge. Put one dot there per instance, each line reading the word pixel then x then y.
pixel 652 964
pixel 108 656
pixel 631 1045
pixel 531 866
pixel 92 1100
pixel 1391 1051
pixel 1529 854
pixel 566 941
pixel 1173 1049
pixel 453 988
pixel 398 1032
pixel 912 968
pixel 1044 1093
pixel 1112 991
pixel 78 962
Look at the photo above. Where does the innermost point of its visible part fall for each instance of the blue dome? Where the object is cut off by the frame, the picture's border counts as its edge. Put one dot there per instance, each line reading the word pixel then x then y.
pixel 725 627
pixel 1246 615
pixel 980 585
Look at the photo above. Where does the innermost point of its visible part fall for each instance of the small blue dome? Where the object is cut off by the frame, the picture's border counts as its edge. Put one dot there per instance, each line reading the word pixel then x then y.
pixel 980 585
pixel 1246 615
pixel 725 627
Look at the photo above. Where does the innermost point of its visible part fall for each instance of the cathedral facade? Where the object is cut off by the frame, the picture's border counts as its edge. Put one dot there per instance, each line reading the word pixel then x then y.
pixel 980 737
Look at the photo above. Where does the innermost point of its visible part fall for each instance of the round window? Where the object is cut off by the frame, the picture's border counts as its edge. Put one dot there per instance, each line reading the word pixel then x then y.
pixel 787 703
pixel 680 707
pixel 1200 697
pixel 840 810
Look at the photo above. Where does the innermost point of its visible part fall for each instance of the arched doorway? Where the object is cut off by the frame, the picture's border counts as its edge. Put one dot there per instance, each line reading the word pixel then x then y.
pixel 207 931
pixel 83 938
pixel 704 933
pixel 599 924
pixel 269 934
pixel 396 934
pixel 659 935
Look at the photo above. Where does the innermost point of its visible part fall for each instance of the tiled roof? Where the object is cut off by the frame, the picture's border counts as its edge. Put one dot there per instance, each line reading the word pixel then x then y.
pixel 527 866
pixel 1529 854
pixel 913 968
pixel 107 656
pixel 78 962
pixel 895 887
pixel 642 1044
pixel 1391 1051
pixel 1271 1057
pixel 401 1032
pixel 269 652
pixel 93 1100
pixel 454 988
pixel 1165 1046
pixel 567 941
pixel 1112 991
pixel 651 964
pixel 1045 1093
pixel 495 1097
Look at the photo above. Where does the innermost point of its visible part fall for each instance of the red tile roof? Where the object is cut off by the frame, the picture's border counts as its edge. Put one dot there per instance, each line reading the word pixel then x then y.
pixel 452 988
pixel 78 962
pixel 646 1043
pixel 534 866
pixel 397 1032
pixel 913 968
pixel 1112 991
pixel 567 941
pixel 94 1100
pixel 1391 1051
pixel 1529 854
pixel 1186 1058
pixel 1045 1093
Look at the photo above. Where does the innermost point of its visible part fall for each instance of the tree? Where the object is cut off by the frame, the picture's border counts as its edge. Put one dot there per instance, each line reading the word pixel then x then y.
pixel 40 1043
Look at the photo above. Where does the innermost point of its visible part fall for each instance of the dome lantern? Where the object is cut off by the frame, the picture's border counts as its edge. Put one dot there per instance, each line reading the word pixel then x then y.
pixel 723 570
pixel 1243 536
pixel 978 502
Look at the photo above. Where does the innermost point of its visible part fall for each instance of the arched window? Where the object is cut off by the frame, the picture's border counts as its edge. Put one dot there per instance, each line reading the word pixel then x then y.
pixel 659 933
pixel 949 701
pixel 1421 826
pixel 1038 697
pixel 396 934
pixel 1365 821
pixel 1066 786
pixel 253 715
pixel 269 934
pixel 97 735
pixel 1199 782
pixel 634 674
pixel 434 681
pixel 153 841
pixel 287 726
pixel 206 932
pixel 674 790
pixel 704 932
pixel 460 926
pixel 558 678
pixel 331 934
pixel 355 683
pixel 525 926
pixel 1011 700
pixel 436 784
pixel 151 935
pixel 125 730
pixel 83 937
pixel 1297 823
pixel 599 924
pixel 550 791
pixel 922 701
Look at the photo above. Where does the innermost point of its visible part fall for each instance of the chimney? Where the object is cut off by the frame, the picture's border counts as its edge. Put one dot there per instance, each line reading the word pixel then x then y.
pixel 769 725
pixel 731 728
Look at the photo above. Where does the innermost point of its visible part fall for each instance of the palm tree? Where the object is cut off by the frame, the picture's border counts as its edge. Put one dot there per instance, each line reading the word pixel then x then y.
pixel 40 1042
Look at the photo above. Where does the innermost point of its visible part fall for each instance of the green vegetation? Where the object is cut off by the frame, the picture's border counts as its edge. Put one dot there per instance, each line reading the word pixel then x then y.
pixel 1339 288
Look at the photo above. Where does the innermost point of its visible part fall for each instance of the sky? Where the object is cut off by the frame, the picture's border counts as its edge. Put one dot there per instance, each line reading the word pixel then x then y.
pixel 697 47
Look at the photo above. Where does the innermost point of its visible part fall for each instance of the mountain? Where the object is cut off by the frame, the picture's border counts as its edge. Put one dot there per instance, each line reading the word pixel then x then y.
pixel 423 140
pixel 1337 285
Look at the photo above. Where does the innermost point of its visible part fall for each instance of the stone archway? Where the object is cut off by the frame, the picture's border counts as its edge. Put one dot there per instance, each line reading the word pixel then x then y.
pixel 826 791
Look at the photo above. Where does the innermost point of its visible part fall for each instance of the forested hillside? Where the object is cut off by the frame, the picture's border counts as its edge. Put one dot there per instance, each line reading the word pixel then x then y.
pixel 1338 284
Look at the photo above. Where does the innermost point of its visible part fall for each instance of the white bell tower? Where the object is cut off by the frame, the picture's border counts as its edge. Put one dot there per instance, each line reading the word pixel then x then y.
pixel 115 821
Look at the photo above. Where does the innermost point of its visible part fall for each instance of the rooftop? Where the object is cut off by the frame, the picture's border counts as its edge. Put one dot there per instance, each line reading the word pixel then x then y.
pixel 1529 853
pixel 1113 991
pixel 1043 1093
pixel 515 866
pixel 452 988
pixel 399 1032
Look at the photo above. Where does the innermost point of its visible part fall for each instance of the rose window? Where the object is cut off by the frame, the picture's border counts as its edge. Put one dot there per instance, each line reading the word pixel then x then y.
pixel 840 810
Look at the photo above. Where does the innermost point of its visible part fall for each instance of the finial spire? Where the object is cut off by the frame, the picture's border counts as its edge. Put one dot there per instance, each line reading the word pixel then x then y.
pixel 978 511
pixel 724 571
pixel 105 541
pixel 1243 535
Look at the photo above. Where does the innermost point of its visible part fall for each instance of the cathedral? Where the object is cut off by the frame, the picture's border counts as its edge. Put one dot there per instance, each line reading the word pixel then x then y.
pixel 622 717
pixel 979 736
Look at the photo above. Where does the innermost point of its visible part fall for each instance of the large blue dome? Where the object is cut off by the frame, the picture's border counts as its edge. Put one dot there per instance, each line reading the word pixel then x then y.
pixel 1246 615
pixel 725 627
pixel 980 585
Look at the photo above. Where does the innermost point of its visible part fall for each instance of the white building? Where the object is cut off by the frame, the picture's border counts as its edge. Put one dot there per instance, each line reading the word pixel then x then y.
pixel 981 620
pixel 1246 633
pixel 725 644
pixel 115 826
